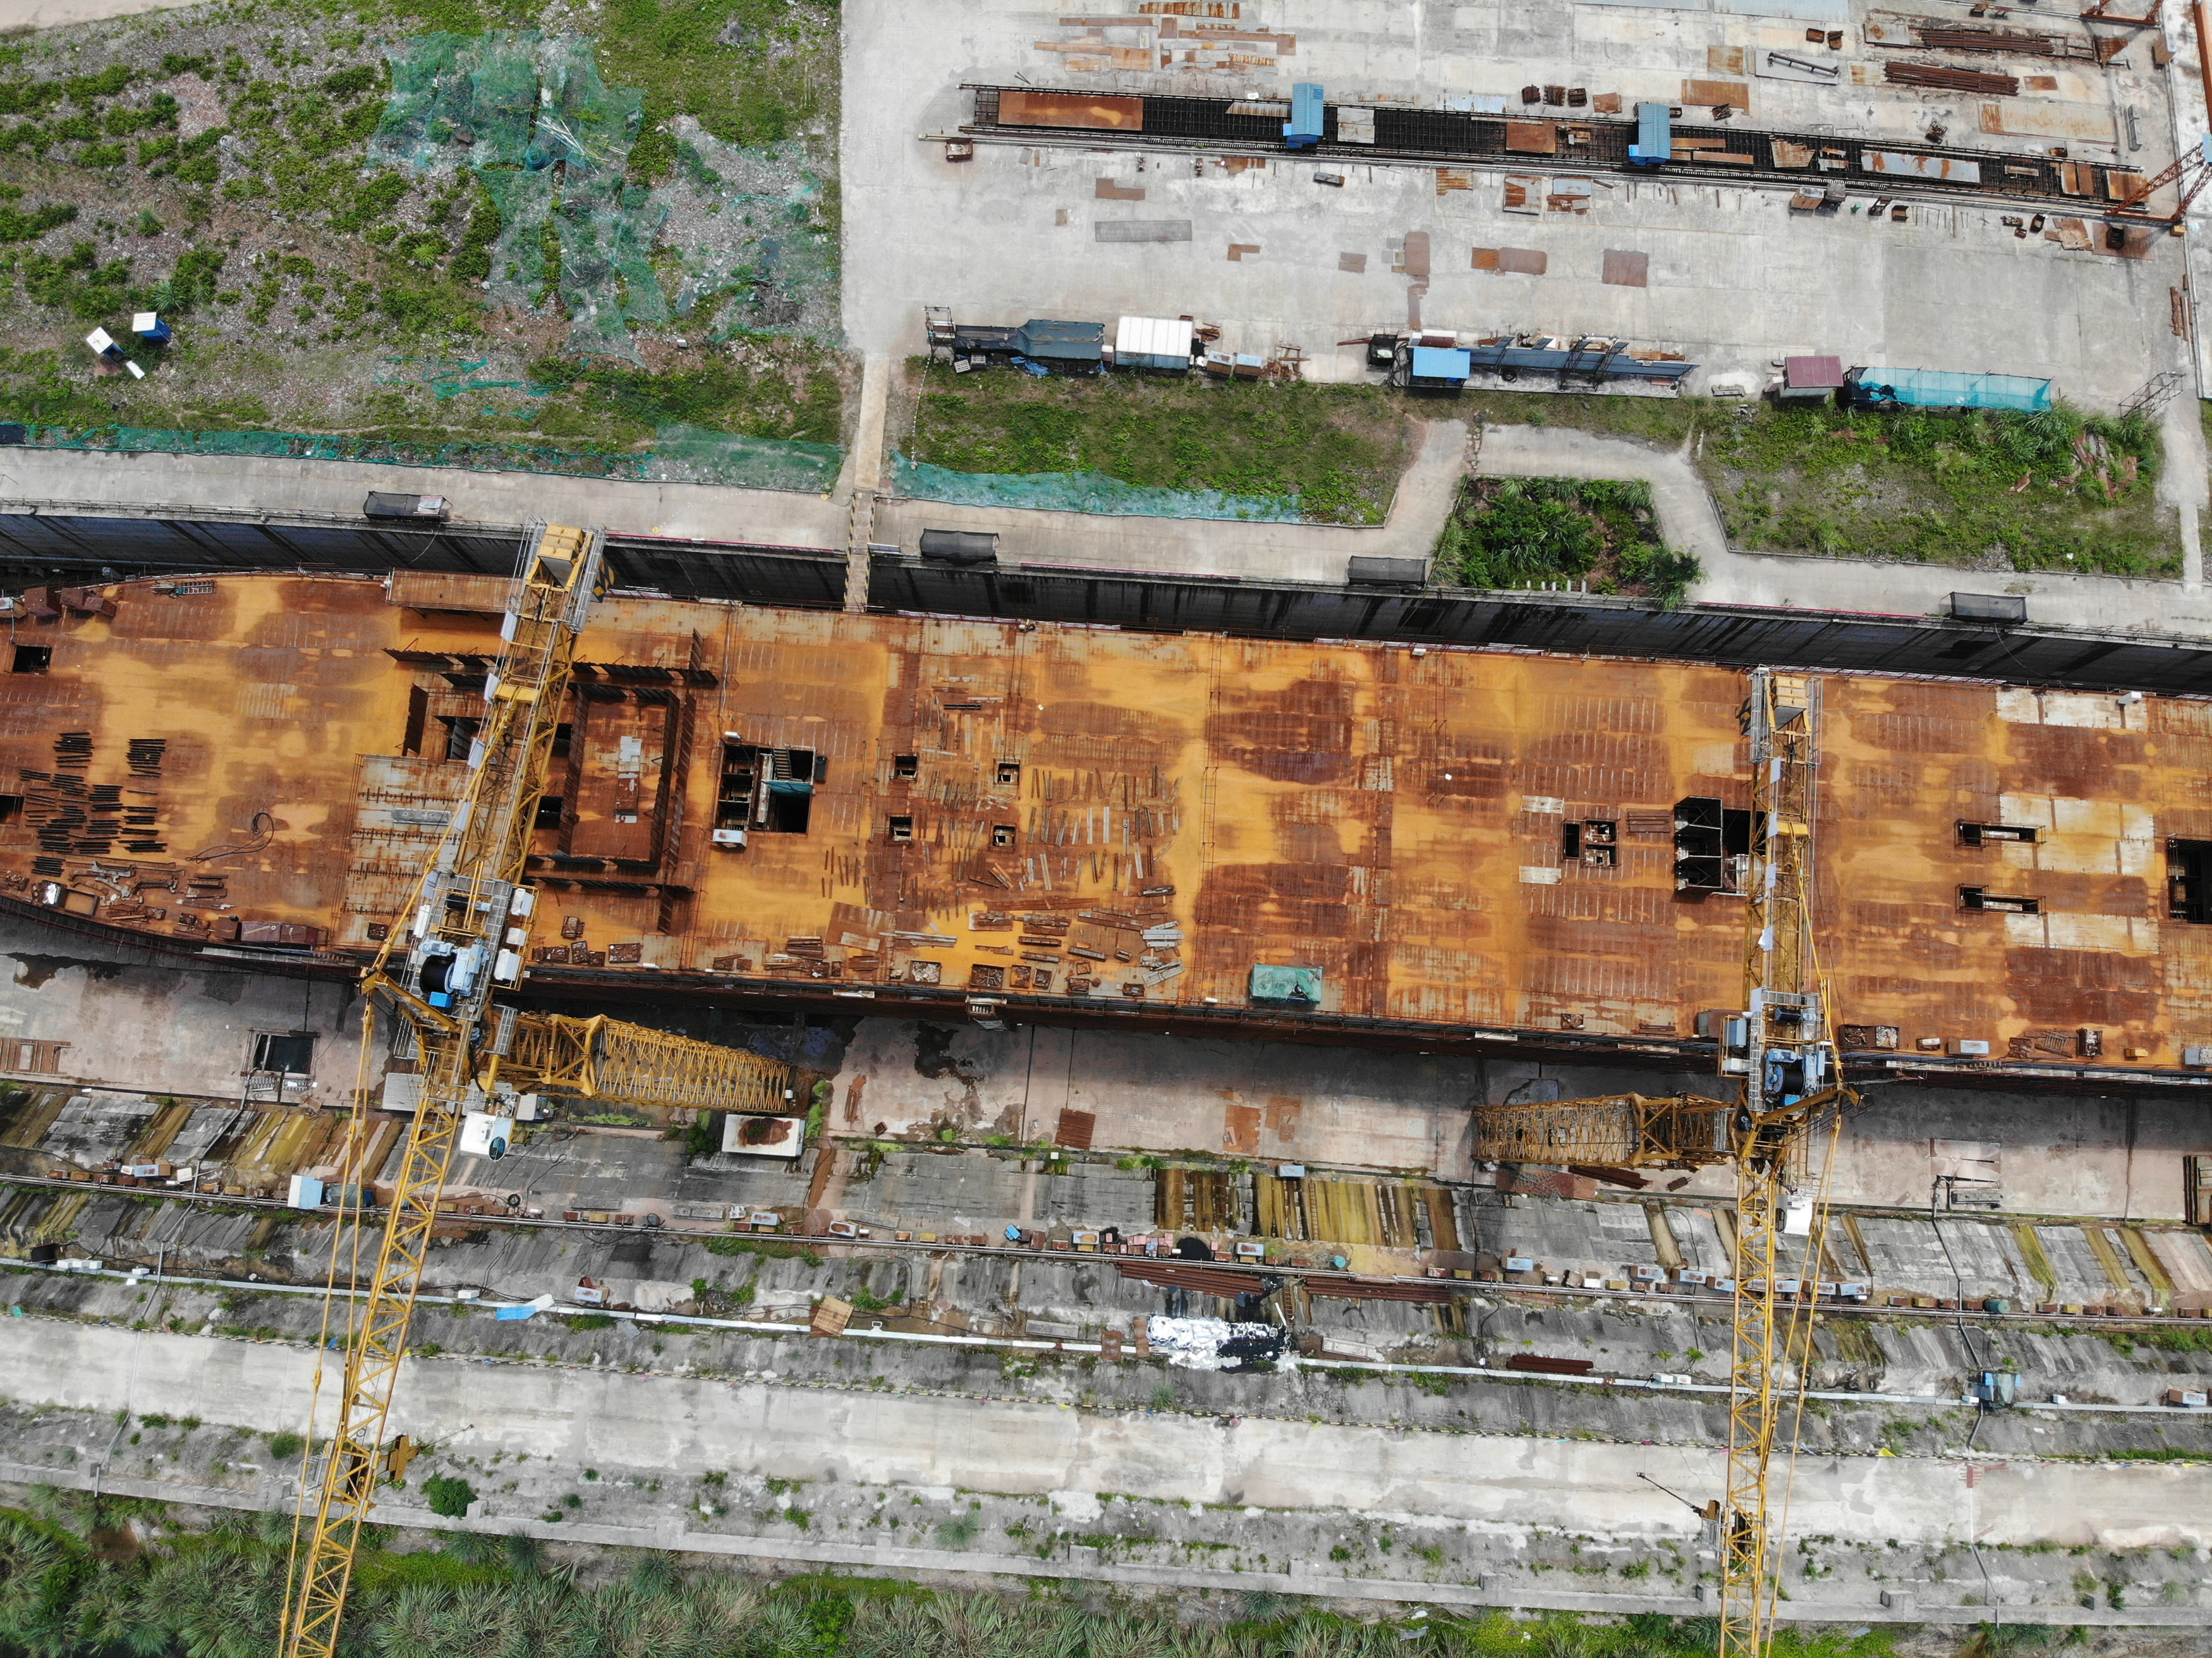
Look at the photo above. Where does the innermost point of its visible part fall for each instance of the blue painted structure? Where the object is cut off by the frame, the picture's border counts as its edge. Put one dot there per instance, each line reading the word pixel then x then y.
pixel 1655 135
pixel 1441 365
pixel 1303 130
pixel 1934 388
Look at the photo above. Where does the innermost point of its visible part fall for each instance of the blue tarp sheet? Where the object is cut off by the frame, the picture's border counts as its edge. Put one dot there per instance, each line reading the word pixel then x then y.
pixel 1435 363
pixel 1298 985
pixel 1062 342
pixel 1936 388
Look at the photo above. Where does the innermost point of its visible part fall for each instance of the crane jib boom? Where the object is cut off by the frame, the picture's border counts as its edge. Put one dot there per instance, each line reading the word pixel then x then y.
pixel 1781 1051
pixel 467 936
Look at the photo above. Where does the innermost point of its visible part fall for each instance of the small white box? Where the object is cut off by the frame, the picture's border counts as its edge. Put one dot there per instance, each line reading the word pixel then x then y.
pixel 1968 1047
pixel 2197 1058
pixel 304 1192
pixel 483 1135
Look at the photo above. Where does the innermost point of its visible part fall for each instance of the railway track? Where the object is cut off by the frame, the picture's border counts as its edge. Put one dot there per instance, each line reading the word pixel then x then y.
pixel 1425 137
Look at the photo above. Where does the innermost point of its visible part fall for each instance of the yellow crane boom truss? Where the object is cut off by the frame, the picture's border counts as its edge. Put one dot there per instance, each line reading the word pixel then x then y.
pixel 470 934
pixel 604 1059
pixel 1784 1049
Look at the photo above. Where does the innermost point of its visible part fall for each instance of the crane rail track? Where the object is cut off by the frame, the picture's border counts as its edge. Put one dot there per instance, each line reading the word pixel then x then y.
pixel 1428 137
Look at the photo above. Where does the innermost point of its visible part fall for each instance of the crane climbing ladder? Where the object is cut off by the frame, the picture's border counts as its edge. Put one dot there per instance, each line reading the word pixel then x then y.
pixel 1791 1091
pixel 431 985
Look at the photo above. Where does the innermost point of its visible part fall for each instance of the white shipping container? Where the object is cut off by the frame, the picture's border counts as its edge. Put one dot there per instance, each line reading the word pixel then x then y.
pixel 1140 339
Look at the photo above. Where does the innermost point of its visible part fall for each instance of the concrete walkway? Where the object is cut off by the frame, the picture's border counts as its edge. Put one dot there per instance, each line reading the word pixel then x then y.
pixel 57 13
pixel 282 485
pixel 777 518
pixel 87 480
pixel 1689 521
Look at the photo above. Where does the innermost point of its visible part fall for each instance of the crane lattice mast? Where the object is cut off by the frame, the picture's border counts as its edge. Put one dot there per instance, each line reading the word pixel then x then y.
pixel 1782 1049
pixel 467 936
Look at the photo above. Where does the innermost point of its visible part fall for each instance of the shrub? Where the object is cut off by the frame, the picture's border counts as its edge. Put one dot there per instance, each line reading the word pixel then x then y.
pixel 448 1497
pixel 351 82
pixel 285 1446
pixel 16 225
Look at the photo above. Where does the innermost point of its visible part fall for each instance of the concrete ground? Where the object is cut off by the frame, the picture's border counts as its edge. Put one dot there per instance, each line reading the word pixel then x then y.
pixel 1343 1107
pixel 1735 280
pixel 641 1453
pixel 24 15
pixel 138 1021
pixel 85 480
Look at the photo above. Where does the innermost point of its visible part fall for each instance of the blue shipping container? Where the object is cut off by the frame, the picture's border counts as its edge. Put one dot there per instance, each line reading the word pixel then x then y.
pixel 1655 135
pixel 1436 363
pixel 1303 130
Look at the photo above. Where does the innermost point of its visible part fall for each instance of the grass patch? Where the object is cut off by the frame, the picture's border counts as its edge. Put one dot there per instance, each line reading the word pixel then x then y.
pixel 1339 449
pixel 1516 532
pixel 214 163
pixel 1989 489
pixel 2172 1339
pixel 1667 422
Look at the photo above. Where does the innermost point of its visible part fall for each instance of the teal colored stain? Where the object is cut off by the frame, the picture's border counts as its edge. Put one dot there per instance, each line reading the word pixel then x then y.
pixel 682 454
pixel 1084 492
pixel 449 378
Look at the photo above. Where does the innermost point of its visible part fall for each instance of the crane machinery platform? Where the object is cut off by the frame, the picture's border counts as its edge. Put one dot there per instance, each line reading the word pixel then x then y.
pixel 1790 1092
pixel 431 989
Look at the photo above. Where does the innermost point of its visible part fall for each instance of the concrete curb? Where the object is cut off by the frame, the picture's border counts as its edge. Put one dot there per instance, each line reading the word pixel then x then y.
pixel 676 1539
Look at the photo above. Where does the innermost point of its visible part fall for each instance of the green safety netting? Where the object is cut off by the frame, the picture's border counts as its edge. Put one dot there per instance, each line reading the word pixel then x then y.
pixel 518 257
pixel 760 462
pixel 1082 492
pixel 680 455
pixel 605 276
pixel 460 98
pixel 550 141
pixel 581 119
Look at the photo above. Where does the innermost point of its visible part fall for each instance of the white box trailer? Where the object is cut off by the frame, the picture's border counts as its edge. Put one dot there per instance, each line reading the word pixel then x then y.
pixel 1159 342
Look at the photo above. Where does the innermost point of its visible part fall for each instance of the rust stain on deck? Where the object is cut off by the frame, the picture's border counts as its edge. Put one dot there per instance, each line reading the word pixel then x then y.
pixel 1457 838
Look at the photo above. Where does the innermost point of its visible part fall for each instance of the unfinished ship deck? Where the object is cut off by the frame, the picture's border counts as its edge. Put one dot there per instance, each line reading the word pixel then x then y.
pixel 1452 842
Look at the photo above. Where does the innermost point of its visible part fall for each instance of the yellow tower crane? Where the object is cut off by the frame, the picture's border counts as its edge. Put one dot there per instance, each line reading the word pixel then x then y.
pixel 433 983
pixel 1783 1048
